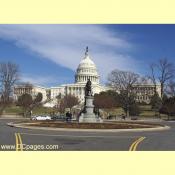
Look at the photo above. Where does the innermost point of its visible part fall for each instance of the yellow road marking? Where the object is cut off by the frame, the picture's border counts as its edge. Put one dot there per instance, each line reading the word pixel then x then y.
pixel 131 147
pixel 134 145
pixel 19 144
pixel 16 137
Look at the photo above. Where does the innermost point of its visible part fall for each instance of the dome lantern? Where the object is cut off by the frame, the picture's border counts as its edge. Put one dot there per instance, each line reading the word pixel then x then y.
pixel 86 53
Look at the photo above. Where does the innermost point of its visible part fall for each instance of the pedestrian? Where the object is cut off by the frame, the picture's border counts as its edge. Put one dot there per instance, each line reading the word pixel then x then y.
pixel 31 113
pixel 67 116
pixel 70 116
pixel 79 114
pixel 123 116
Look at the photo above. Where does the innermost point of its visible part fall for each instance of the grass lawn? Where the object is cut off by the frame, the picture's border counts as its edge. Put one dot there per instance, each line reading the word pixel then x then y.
pixel 13 110
pixel 16 110
pixel 43 110
pixel 115 111
pixel 146 111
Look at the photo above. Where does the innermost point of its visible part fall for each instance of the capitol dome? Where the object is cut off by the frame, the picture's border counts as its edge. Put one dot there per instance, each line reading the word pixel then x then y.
pixel 87 70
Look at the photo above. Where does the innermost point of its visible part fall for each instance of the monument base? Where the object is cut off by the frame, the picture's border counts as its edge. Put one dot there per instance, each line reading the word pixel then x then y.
pixel 89 118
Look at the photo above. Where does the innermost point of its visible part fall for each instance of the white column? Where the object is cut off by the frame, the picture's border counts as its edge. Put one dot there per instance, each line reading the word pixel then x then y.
pixel 70 90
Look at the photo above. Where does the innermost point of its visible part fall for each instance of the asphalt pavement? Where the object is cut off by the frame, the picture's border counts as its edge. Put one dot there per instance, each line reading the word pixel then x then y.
pixel 20 139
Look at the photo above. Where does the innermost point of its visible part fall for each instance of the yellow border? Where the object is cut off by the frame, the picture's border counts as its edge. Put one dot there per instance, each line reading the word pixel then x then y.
pixel 87 11
pixel 88 163
pixel 94 12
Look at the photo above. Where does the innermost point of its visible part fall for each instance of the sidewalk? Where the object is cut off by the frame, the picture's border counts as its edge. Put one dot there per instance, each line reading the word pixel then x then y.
pixel 9 116
pixel 148 119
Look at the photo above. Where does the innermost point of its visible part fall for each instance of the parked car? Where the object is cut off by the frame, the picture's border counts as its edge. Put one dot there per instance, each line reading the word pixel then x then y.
pixel 41 117
pixel 58 117
pixel 33 117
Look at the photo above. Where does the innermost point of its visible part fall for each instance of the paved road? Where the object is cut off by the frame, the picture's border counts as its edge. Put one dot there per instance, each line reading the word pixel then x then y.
pixel 84 141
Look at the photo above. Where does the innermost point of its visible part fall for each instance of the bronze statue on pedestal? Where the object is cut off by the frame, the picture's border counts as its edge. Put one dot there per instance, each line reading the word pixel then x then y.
pixel 88 88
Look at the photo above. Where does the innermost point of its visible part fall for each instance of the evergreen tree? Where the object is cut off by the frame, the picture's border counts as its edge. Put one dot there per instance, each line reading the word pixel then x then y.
pixel 156 103
pixel 25 101
pixel 168 107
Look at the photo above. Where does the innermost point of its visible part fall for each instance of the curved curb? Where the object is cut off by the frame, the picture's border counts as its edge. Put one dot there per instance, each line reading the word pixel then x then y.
pixel 161 128
pixel 13 118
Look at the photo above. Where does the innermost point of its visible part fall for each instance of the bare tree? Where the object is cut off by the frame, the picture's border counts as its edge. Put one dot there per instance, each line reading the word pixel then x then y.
pixel 166 70
pixel 105 100
pixel 28 103
pixel 163 71
pixel 68 101
pixel 170 90
pixel 25 101
pixel 152 77
pixel 9 74
pixel 61 106
pixel 123 81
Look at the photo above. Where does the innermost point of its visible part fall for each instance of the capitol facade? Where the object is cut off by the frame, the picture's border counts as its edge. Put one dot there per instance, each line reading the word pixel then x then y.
pixel 85 70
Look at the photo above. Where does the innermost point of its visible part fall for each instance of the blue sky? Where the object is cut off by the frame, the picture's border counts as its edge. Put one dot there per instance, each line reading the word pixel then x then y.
pixel 48 55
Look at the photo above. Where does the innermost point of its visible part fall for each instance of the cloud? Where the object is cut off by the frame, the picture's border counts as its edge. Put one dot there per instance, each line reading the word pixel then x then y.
pixel 65 44
pixel 43 80
pixel 37 80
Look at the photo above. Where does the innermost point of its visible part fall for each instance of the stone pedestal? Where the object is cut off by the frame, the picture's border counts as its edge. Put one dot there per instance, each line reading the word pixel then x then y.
pixel 89 116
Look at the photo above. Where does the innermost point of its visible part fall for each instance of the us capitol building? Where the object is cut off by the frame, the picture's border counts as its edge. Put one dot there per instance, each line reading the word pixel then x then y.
pixel 86 70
